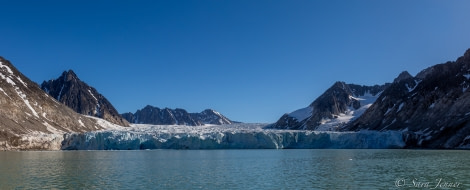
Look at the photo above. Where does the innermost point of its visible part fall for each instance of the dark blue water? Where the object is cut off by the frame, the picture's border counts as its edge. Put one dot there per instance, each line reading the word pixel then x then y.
pixel 236 169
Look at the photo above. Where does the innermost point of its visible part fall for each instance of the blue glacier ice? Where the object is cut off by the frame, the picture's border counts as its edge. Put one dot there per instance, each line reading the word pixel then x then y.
pixel 234 136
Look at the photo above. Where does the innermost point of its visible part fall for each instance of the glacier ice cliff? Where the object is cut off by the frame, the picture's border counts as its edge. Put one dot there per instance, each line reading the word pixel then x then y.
pixel 235 136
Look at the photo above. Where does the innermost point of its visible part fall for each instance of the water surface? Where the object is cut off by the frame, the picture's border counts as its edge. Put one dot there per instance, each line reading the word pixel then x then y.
pixel 236 169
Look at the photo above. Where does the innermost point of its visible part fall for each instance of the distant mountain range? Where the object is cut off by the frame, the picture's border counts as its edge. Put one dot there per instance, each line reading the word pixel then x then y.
pixel 84 99
pixel 167 116
pixel 431 108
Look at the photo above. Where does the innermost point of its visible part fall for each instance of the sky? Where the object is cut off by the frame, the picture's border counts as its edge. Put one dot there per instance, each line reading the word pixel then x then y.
pixel 251 60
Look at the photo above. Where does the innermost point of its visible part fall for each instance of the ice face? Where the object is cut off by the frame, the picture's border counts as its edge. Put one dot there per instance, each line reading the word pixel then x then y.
pixel 235 136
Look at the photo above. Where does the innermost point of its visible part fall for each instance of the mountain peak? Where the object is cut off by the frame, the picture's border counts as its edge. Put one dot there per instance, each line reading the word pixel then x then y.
pixel 69 75
pixel 209 111
pixel 82 98
pixel 402 76
pixel 465 57
pixel 149 107
pixel 339 84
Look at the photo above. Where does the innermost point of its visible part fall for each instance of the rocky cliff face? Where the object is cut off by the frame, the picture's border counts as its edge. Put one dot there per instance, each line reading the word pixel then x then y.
pixel 30 118
pixel 333 109
pixel 166 116
pixel 76 94
pixel 433 107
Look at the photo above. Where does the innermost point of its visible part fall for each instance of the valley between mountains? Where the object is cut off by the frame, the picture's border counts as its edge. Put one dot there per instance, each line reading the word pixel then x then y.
pixel 429 110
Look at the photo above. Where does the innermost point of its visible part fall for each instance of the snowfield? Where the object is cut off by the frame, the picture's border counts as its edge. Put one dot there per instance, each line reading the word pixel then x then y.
pixel 234 136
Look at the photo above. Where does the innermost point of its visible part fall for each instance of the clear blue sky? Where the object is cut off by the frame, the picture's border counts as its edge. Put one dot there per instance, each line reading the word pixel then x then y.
pixel 252 60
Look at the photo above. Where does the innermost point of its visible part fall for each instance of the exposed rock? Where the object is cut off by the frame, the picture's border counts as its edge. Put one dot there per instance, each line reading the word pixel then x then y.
pixel 166 116
pixel 338 105
pixel 403 76
pixel 210 116
pixel 76 94
pixel 433 107
pixel 29 118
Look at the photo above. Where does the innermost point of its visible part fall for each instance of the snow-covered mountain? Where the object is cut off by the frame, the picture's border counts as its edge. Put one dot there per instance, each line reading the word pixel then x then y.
pixel 167 116
pixel 84 99
pixel 339 104
pixel 30 118
pixel 433 107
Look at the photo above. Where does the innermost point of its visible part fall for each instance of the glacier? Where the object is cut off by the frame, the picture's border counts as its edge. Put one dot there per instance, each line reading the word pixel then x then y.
pixel 232 136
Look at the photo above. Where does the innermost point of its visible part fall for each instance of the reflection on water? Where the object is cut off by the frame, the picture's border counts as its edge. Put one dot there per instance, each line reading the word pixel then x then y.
pixel 233 169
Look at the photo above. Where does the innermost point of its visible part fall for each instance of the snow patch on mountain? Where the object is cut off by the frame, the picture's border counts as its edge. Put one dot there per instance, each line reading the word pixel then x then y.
pixel 411 88
pixel 6 67
pixel 92 95
pixel 351 114
pixel 106 125
pixel 81 123
pixel 22 82
pixel 1 89
pixel 400 106
pixel 302 114
pixel 17 89
pixel 467 76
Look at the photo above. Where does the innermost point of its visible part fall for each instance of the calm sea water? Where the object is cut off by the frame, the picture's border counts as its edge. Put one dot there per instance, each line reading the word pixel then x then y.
pixel 236 169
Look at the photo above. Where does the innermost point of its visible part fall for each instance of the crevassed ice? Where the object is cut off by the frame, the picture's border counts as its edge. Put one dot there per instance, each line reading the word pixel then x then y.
pixel 244 136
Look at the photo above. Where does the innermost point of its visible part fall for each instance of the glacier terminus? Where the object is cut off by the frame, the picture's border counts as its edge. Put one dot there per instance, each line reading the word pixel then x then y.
pixel 232 136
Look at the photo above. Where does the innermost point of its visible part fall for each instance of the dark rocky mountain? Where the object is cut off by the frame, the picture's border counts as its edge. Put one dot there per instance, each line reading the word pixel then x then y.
pixel 30 118
pixel 210 116
pixel 76 94
pixel 433 107
pixel 166 116
pixel 338 105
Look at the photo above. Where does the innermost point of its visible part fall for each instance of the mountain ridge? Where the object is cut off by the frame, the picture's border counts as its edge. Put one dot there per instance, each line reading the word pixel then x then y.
pixel 433 107
pixel 166 116
pixel 337 105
